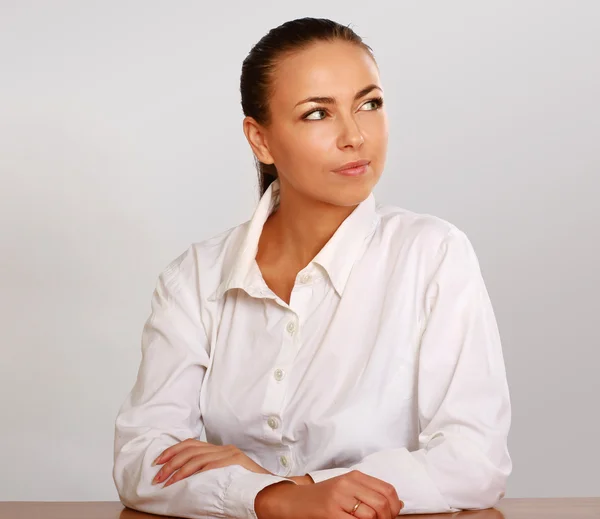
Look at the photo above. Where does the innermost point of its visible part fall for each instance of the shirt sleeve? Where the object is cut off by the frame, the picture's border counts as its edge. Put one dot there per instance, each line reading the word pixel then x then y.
pixel 462 461
pixel 163 409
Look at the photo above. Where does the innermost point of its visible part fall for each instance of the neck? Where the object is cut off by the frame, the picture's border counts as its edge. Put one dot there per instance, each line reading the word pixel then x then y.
pixel 301 227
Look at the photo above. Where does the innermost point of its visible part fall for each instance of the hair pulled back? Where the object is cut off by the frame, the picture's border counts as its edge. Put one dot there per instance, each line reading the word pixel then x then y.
pixel 258 69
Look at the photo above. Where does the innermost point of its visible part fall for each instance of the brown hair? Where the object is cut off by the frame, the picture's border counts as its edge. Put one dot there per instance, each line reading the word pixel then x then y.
pixel 259 66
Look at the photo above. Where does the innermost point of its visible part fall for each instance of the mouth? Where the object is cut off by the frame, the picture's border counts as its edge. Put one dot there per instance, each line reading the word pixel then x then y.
pixel 352 169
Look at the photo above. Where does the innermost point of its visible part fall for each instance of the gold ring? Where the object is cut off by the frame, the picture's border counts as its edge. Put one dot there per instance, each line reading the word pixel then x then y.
pixel 358 503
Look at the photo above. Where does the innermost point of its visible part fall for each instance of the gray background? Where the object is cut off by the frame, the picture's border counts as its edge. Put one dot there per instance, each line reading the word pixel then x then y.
pixel 121 143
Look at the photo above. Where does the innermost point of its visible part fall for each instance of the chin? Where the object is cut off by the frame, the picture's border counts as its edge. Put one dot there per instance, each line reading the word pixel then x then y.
pixel 349 195
pixel 353 191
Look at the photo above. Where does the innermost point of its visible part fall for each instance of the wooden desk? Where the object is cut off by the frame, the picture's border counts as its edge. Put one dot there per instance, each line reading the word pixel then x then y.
pixel 567 508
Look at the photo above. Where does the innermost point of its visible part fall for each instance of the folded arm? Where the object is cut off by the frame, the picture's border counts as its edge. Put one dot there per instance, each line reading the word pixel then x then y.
pixel 163 409
pixel 464 408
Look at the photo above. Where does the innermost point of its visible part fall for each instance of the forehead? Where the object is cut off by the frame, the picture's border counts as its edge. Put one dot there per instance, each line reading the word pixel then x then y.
pixel 337 69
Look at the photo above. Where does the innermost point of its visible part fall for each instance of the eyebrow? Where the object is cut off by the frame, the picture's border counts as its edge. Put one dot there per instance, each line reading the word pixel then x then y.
pixel 331 100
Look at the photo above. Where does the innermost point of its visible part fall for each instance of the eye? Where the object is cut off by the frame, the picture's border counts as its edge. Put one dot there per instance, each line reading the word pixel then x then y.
pixel 377 101
pixel 306 116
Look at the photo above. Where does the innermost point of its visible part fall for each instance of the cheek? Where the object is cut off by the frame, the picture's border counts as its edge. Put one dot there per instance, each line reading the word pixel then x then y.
pixel 376 127
pixel 307 147
pixel 381 144
pixel 316 136
pixel 378 138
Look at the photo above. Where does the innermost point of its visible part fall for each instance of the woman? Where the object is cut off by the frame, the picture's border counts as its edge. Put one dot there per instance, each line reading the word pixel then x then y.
pixel 341 357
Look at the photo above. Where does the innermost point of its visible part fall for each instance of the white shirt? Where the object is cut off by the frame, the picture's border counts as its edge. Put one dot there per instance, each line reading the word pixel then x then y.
pixel 387 360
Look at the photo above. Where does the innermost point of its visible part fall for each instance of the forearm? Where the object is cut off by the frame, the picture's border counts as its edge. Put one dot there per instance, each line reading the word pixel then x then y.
pixel 270 500
pixel 451 476
pixel 206 493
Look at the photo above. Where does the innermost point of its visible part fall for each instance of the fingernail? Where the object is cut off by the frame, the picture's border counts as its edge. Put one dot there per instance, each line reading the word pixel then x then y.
pixel 155 461
pixel 401 505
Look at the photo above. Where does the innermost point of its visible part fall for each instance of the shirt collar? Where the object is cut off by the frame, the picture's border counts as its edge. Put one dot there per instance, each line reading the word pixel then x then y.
pixel 337 257
pixel 340 253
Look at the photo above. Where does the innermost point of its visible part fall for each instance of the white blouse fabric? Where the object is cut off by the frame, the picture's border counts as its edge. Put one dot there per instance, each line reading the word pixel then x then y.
pixel 387 360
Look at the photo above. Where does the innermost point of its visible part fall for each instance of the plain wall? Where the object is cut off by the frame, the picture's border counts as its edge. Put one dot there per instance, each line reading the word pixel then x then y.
pixel 121 143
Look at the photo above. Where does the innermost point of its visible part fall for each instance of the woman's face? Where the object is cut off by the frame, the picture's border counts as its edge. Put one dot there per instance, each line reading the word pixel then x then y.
pixel 308 140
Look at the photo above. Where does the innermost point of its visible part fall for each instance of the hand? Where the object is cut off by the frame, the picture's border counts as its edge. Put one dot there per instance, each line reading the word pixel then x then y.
pixel 330 499
pixel 191 456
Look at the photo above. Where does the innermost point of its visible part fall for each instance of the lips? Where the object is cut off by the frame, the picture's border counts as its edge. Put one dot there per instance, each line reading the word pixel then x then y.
pixel 352 165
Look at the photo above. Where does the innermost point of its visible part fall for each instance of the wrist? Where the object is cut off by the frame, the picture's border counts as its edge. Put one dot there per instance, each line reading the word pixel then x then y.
pixel 303 480
pixel 267 504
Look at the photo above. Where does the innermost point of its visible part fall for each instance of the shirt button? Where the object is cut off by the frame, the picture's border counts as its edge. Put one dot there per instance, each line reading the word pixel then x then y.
pixel 305 278
pixel 273 423
pixel 284 461
pixel 291 327
pixel 279 374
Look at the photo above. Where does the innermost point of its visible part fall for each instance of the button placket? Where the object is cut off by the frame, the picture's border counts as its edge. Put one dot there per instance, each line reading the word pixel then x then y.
pixel 275 394
pixel 285 460
pixel 291 327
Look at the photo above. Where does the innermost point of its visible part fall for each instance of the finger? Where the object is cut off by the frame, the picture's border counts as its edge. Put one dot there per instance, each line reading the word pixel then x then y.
pixel 363 511
pixel 375 500
pixel 383 488
pixel 196 464
pixel 176 462
pixel 168 453
pixel 186 454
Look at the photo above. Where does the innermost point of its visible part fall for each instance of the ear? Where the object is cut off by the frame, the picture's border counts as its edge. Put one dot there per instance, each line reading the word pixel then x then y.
pixel 257 139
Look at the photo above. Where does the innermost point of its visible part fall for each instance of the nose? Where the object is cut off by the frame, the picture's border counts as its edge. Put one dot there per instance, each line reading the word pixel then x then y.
pixel 350 134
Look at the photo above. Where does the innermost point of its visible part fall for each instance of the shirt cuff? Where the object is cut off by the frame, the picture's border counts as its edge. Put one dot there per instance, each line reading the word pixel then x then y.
pixel 322 475
pixel 239 496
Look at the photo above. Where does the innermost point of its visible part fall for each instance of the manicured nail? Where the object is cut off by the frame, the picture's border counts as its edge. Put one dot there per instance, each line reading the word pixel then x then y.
pixel 155 461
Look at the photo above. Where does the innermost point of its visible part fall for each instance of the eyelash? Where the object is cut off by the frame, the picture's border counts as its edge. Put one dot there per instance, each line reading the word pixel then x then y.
pixel 377 100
